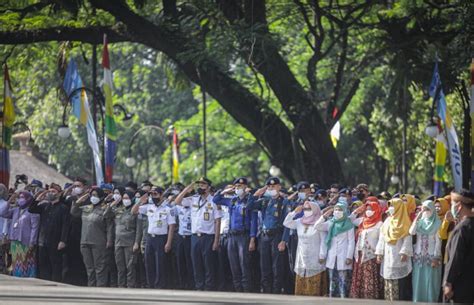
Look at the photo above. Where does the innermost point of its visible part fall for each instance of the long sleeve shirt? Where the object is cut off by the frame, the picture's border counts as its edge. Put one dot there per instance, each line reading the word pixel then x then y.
pixel 273 210
pixel 311 247
pixel 54 224
pixel 240 217
pixel 366 241
pixel 341 248
pixel 96 228
pixel 24 226
pixel 127 230
pixel 427 247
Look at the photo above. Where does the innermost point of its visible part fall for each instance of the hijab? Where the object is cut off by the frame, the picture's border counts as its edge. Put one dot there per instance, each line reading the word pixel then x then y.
pixel 369 222
pixel 397 226
pixel 445 207
pixel 338 226
pixel 310 220
pixel 428 226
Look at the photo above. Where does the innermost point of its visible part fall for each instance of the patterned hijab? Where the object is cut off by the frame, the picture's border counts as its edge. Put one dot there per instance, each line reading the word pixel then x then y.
pixel 428 226
pixel 397 226
pixel 340 225
pixel 369 222
pixel 310 220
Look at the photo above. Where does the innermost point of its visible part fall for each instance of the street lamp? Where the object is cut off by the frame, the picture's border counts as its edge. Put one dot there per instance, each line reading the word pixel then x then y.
pixel 130 161
pixel 63 131
pixel 394 179
pixel 274 171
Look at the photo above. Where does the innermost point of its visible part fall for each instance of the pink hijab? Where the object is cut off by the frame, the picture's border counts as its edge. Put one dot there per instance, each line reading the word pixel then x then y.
pixel 310 220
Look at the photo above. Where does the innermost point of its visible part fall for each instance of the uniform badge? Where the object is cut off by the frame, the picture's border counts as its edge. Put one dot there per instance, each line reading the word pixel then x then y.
pixel 206 216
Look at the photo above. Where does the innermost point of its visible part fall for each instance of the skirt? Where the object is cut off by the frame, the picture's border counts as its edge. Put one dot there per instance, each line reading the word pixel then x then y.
pixel 316 285
pixel 23 260
pixel 398 290
pixel 339 283
pixel 366 281
pixel 426 283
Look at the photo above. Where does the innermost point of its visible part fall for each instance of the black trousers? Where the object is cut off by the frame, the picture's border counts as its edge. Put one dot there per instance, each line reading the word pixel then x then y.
pixel 50 263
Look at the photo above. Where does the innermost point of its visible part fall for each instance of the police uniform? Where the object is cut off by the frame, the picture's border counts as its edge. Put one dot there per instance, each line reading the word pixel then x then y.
pixel 96 232
pixel 127 233
pixel 242 227
pixel 204 212
pixel 183 248
pixel 159 218
pixel 224 274
pixel 272 265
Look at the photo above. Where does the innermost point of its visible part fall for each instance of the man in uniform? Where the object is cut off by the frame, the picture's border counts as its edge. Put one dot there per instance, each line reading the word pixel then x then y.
pixel 269 200
pixel 242 231
pixel 205 227
pixel 161 225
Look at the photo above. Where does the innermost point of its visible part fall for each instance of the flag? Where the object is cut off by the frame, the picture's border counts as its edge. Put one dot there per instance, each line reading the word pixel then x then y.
pixel 8 120
pixel 471 106
pixel 74 88
pixel 110 126
pixel 175 157
pixel 440 163
pixel 436 92
pixel 335 133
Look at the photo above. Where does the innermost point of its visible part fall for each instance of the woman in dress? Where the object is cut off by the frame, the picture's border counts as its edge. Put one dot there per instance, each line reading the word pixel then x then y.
pixel 311 278
pixel 23 233
pixel 394 250
pixel 340 242
pixel 366 280
pixel 427 255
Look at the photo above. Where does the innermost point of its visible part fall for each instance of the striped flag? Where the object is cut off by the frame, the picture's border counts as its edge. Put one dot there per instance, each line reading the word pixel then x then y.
pixel 472 125
pixel 452 141
pixel 110 126
pixel 440 163
pixel 8 120
pixel 80 107
pixel 335 133
pixel 175 157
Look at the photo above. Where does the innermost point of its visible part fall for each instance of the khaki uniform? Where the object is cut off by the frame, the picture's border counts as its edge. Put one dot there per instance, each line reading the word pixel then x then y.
pixel 127 233
pixel 96 232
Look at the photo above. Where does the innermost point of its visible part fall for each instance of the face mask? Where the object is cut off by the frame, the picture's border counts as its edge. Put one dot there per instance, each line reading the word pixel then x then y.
pixel 391 210
pixel 308 213
pixel 360 196
pixel 239 192
pixel 426 214
pixel 201 191
pixel 77 190
pixel 150 200
pixel 117 197
pixel 95 200
pixel 320 203
pixel 22 203
pixel 127 202
pixel 369 213
pixel 301 195
pixel 338 214
pixel 270 193
pixel 51 197
pixel 454 211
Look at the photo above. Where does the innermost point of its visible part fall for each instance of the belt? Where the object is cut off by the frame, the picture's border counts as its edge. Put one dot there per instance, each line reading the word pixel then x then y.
pixel 185 236
pixel 201 234
pixel 157 235
pixel 270 232
pixel 236 232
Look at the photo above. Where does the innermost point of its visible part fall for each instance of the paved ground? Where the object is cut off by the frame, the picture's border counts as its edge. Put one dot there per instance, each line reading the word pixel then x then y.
pixel 14 291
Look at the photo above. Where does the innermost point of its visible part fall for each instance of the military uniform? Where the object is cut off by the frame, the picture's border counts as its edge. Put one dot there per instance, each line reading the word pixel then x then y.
pixel 127 233
pixel 272 261
pixel 96 232
pixel 159 218
pixel 242 227
pixel 183 248
pixel 224 273
pixel 203 214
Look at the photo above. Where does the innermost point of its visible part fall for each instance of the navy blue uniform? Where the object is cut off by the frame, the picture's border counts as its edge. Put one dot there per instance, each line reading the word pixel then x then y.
pixel 242 227
pixel 272 264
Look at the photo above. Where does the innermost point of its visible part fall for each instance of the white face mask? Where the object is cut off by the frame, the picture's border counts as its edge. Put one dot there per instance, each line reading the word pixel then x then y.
pixel 391 210
pixel 369 213
pixel 426 214
pixel 127 202
pixel 95 200
pixel 338 214
pixel 270 193
pixel 239 192
pixel 150 200
pixel 77 190
pixel 301 195
pixel 308 213
pixel 117 197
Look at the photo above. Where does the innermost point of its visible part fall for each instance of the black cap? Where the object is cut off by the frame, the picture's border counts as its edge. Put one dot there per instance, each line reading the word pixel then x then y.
pixel 302 185
pixel 203 180
pixel 157 189
pixel 345 191
pixel 241 180
pixel 272 181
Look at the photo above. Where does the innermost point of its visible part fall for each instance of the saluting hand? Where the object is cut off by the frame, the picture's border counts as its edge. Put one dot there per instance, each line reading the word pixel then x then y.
pixel 298 209
pixel 260 191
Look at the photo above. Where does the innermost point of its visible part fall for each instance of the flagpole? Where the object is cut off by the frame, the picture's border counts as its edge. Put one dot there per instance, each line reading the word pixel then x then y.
pixel 471 106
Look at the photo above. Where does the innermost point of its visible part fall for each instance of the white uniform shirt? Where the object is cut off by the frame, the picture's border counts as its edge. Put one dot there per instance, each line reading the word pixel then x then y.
pixel 203 213
pixel 158 218
pixel 311 247
pixel 184 217
pixel 225 220
pixel 341 248
pixel 392 267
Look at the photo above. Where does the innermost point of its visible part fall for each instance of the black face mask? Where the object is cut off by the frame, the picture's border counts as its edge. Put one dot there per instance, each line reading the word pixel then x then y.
pixel 201 191
pixel 156 201
pixel 360 196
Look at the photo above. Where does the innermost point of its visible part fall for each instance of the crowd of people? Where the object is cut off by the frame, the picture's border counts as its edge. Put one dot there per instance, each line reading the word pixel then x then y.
pixel 306 240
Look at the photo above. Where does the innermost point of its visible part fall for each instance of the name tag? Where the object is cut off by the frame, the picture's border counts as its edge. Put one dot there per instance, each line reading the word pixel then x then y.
pixel 159 223
pixel 275 214
pixel 206 216
pixel 15 224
